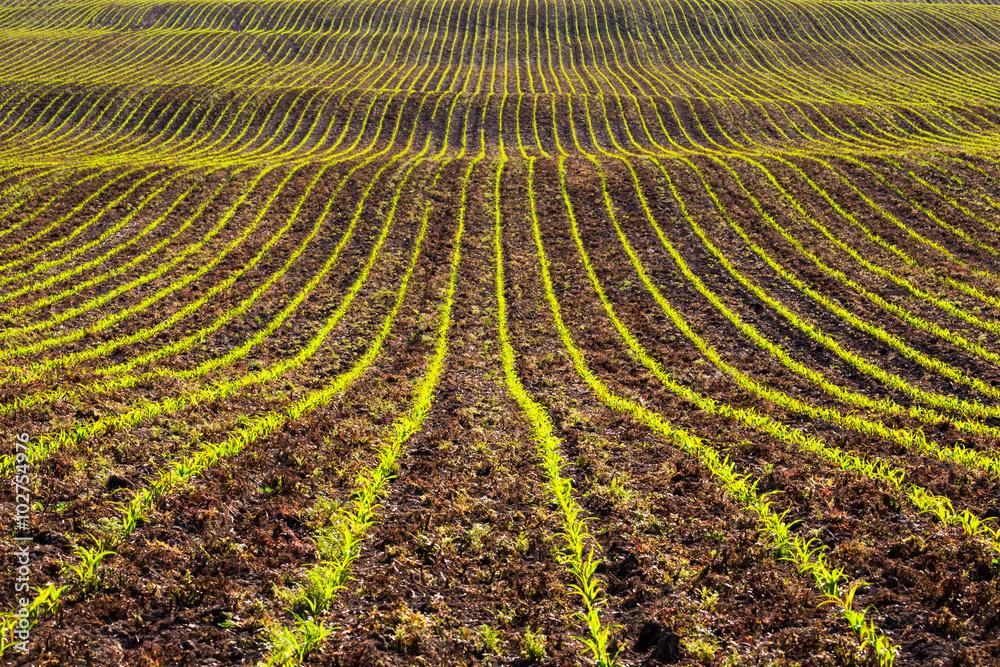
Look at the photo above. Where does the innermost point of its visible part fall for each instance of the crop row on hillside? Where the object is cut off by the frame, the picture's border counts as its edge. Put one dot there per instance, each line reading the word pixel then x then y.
pixel 439 332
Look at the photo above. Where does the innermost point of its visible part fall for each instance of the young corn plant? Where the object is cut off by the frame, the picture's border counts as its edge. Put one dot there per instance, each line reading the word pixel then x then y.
pixel 86 571
pixel 290 646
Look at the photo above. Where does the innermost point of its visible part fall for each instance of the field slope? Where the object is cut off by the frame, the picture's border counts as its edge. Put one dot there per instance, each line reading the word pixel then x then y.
pixel 454 332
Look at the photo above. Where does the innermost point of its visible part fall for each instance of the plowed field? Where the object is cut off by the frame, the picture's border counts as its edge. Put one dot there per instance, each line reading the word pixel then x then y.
pixel 469 332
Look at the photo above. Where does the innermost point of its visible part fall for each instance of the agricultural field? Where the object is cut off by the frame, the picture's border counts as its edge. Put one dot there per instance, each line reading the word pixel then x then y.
pixel 482 332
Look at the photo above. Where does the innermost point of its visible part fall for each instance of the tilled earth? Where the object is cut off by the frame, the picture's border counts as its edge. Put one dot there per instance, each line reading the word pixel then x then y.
pixel 463 560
